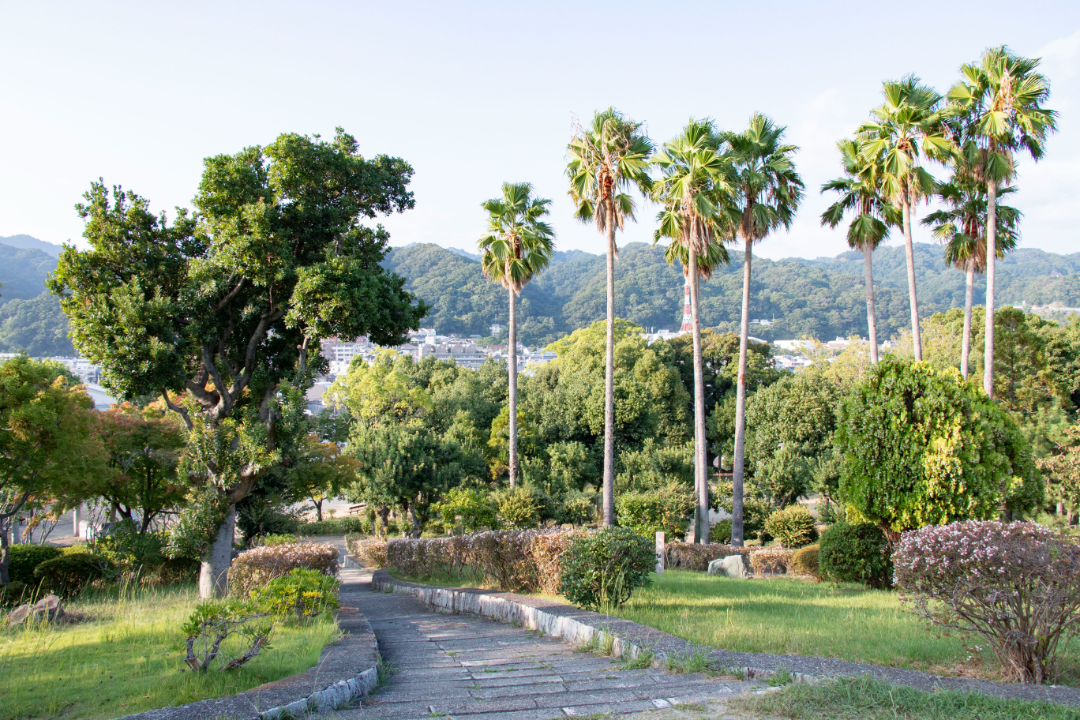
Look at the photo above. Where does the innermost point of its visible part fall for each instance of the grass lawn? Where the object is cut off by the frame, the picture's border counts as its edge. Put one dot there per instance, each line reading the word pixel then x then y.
pixel 126 658
pixel 794 617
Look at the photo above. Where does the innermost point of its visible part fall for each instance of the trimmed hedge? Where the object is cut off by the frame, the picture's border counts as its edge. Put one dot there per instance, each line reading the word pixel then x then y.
pixel 692 556
pixel 372 550
pixel 806 561
pixel 856 553
pixel 337 526
pixel 792 527
pixel 255 568
pixel 69 575
pixel 25 558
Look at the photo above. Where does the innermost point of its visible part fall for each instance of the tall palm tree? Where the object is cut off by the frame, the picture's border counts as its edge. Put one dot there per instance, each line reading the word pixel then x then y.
pixel 519 244
pixel 860 191
pixel 605 161
pixel 1001 98
pixel 767 191
pixel 693 192
pixel 906 127
pixel 961 225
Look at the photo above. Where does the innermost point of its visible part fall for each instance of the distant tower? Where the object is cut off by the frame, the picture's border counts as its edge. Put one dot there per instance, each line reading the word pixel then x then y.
pixel 687 316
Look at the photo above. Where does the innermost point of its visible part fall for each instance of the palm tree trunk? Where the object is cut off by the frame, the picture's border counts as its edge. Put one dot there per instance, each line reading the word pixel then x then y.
pixel 871 316
pixel 701 470
pixel 913 298
pixel 511 364
pixel 609 381
pixel 740 412
pixel 991 256
pixel 965 348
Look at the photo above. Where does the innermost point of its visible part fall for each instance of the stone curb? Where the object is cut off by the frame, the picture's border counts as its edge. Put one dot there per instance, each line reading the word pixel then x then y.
pixel 579 626
pixel 347 670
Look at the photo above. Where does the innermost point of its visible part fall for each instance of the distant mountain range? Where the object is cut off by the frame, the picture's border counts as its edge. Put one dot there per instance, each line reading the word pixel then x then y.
pixel 822 298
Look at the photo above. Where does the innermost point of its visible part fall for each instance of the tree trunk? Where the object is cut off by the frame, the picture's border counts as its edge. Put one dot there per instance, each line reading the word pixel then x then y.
pixel 415 517
pixel 384 516
pixel 214 572
pixel 965 347
pixel 701 469
pixel 913 298
pixel 609 381
pixel 511 365
pixel 5 550
pixel 991 256
pixel 318 508
pixel 740 411
pixel 871 316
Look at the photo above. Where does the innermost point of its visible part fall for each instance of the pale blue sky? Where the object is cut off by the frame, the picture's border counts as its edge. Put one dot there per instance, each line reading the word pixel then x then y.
pixel 474 94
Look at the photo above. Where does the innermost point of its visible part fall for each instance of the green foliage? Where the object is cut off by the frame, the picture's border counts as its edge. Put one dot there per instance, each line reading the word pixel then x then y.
pixel 792 527
pixel 299 596
pixel 856 553
pixel 336 526
pixel 577 509
pixel 24 558
pixel 518 507
pixel 197 524
pixel 601 569
pixel 666 509
pixel 922 447
pixel 807 561
pixel 14 593
pixel 656 465
pixel 129 549
pixel 755 512
pixel 272 540
pixel 36 326
pixel 470 508
pixel 214 622
pixel 68 575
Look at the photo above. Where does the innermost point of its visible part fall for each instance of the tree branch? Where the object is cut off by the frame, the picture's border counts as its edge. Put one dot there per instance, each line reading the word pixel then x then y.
pixel 181 411
pixel 253 344
pixel 228 298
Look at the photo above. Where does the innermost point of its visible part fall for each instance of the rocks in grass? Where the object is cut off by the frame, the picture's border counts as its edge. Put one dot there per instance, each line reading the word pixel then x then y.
pixel 47 609
pixel 731 566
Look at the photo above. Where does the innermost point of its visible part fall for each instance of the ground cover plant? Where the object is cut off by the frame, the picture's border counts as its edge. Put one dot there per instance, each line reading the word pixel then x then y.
pixel 796 617
pixel 127 657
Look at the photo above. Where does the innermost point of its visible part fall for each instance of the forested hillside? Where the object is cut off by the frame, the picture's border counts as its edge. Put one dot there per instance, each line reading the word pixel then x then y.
pixel 30 316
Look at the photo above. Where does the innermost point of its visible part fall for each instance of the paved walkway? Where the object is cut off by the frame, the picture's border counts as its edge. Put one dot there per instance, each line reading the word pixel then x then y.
pixel 462 666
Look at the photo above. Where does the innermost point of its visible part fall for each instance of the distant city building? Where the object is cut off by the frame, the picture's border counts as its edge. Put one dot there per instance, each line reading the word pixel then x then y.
pixel 791 362
pixel 791 345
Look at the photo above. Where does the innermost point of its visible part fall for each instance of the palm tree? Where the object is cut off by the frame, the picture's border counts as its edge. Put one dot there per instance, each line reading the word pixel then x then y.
pixel 906 127
pixel 517 247
pixel 767 191
pixel 961 225
pixel 605 161
pixel 1001 101
pixel 692 193
pixel 860 191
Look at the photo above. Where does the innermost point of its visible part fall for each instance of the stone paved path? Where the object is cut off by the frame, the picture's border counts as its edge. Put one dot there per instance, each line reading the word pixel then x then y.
pixel 460 666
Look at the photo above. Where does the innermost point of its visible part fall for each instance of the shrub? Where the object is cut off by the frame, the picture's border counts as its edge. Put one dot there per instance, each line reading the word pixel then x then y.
pixel 24 558
pixel 1016 584
pixel 856 553
pixel 805 561
pixel 602 568
pixel 471 508
pixel 339 526
pixel 371 550
pixel 177 570
pixel 13 593
pixel 754 514
pixel 130 550
pixel 271 540
pixel 518 508
pixel 773 560
pixel 212 623
pixel 666 509
pixel 692 556
pixel 302 594
pixel 68 575
pixel 792 527
pixel 257 567
pixel 577 509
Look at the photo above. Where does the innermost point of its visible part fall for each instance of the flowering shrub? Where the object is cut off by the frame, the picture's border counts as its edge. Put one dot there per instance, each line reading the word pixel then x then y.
pixel 1016 584
pixel 371 550
pixel 856 553
pixel 792 527
pixel 257 567
pixel 602 568
pixel 691 556
pixel 774 559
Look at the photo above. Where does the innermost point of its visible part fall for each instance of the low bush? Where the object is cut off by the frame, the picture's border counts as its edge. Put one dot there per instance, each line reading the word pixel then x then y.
pixel 338 526
pixel 772 560
pixel 257 567
pixel 69 575
pixel 25 558
pixel 1016 584
pixel 300 595
pixel 177 570
pixel 666 509
pixel 792 527
pixel 372 550
pixel 692 556
pixel 468 508
pixel 601 569
pixel 577 509
pixel 518 507
pixel 129 550
pixel 14 593
pixel 856 553
pixel 214 622
pixel 755 512
pixel 806 561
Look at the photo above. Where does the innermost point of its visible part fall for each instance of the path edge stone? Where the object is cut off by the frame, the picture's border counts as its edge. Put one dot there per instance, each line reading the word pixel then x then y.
pixel 578 626
pixel 347 671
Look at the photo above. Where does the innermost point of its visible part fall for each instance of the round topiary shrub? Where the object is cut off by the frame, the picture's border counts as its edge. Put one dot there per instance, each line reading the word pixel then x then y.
pixel 25 558
pixel 601 569
pixel 856 553
pixel 69 575
pixel 807 561
pixel 792 527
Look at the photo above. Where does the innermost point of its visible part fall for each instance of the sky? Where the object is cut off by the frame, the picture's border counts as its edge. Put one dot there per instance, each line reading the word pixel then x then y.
pixel 473 94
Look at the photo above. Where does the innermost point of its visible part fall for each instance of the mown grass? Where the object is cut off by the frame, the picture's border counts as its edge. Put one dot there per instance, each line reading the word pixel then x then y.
pixel 793 617
pixel 126 659
pixel 865 698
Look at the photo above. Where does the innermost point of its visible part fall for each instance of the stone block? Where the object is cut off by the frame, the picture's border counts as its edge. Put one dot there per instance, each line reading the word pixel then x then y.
pixel 732 566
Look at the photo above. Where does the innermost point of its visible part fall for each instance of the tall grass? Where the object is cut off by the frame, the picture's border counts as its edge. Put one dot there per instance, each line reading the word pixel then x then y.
pixel 126 658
